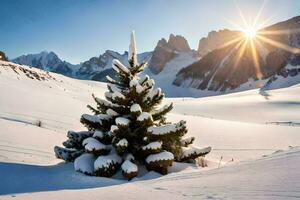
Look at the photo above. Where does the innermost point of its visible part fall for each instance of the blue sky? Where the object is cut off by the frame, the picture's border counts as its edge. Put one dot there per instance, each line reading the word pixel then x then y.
pixel 79 29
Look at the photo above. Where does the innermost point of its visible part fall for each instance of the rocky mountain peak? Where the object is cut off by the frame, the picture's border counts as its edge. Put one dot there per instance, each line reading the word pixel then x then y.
pixel 166 51
pixel 178 43
pixel 216 39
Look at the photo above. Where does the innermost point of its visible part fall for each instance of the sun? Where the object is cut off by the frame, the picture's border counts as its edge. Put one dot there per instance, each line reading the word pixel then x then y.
pixel 249 33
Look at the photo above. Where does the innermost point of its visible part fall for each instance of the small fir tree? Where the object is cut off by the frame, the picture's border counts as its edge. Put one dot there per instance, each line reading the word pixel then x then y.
pixel 128 129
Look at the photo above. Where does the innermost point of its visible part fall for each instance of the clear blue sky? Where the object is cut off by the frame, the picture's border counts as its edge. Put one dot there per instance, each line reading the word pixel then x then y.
pixel 79 29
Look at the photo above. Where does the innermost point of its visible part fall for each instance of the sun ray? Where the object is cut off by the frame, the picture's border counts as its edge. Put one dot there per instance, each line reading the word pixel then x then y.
pixel 279 32
pixel 288 48
pixel 255 59
pixel 230 42
pixel 257 17
pixel 240 52
pixel 242 16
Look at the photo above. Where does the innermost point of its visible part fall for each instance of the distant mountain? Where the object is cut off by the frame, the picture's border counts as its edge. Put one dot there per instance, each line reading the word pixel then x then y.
pixel 165 51
pixel 47 61
pixel 97 68
pixel 216 39
pixel 223 69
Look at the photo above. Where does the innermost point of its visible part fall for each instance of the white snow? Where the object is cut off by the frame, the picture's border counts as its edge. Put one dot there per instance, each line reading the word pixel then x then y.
pixel 132 54
pixel 105 161
pixel 113 128
pixel 135 108
pixel 152 93
pixel 122 143
pixel 117 66
pixel 129 167
pixel 98 134
pixel 85 163
pixel 122 121
pixel 111 112
pixel 165 155
pixel 92 144
pixel 237 126
pixel 116 95
pixel 144 116
pixel 187 151
pixel 162 130
pixel 152 145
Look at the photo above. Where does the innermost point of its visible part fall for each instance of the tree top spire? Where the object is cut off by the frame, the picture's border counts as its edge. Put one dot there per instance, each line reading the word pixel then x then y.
pixel 132 54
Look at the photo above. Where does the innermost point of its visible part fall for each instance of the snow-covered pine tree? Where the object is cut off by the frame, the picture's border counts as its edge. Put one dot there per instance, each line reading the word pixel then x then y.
pixel 128 129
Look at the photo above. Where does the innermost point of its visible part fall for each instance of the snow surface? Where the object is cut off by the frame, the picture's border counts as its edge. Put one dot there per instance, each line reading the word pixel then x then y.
pixel 238 126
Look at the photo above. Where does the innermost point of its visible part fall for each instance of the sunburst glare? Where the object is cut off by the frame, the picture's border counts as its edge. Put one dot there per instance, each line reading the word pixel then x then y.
pixel 255 37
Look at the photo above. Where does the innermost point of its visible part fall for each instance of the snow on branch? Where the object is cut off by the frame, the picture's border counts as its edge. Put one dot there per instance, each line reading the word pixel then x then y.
pixel 152 145
pixel 122 143
pixel 165 155
pixel 122 121
pixel 144 116
pixel 135 108
pixel 193 152
pixel 117 66
pixel 85 163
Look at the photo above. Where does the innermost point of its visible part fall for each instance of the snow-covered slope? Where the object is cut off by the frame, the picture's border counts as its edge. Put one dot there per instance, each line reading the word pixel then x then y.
pixel 272 177
pixel 30 96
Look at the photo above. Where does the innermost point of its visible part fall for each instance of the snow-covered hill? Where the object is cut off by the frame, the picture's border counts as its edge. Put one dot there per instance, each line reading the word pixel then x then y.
pixel 37 108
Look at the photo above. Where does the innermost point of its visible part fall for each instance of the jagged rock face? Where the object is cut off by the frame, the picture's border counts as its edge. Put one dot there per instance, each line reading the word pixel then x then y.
pixel 166 51
pixel 105 65
pixel 222 70
pixel 216 39
pixel 98 64
pixel 46 61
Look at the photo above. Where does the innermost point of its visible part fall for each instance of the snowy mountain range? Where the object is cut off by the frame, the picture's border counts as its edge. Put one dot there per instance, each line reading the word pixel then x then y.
pixel 212 69
pixel 224 69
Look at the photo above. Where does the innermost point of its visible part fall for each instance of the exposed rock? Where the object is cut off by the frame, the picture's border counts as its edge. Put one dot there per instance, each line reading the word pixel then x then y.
pixel 216 39
pixel 46 61
pixel 166 51
pixel 224 69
